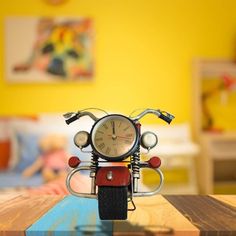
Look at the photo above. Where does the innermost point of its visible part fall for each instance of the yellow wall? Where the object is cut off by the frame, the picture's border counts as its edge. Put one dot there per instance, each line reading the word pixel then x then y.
pixel 143 51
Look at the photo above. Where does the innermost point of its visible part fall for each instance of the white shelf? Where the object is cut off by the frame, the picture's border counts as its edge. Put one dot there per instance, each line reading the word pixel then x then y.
pixel 214 146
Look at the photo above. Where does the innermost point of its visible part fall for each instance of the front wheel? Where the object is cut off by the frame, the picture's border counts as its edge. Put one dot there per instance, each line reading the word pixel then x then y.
pixel 112 202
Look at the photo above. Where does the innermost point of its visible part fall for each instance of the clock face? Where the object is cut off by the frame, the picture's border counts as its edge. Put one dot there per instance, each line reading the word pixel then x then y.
pixel 114 137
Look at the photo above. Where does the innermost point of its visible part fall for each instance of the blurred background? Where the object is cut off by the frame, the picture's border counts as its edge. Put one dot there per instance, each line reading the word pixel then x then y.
pixel 176 55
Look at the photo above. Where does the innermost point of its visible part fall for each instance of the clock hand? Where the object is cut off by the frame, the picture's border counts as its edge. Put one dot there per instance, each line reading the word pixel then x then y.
pixel 113 128
pixel 118 136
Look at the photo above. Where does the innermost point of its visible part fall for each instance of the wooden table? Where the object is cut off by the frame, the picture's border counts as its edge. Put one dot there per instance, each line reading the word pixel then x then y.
pixel 160 215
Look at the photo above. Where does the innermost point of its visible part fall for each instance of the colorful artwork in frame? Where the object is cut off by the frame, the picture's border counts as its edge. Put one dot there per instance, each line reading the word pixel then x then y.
pixel 48 49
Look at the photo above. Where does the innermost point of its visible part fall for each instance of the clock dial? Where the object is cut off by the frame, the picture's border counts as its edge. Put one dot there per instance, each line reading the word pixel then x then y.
pixel 114 137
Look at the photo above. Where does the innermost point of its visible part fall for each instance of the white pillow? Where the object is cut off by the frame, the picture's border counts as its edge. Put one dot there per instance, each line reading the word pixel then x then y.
pixel 172 140
pixel 50 124
pixel 84 123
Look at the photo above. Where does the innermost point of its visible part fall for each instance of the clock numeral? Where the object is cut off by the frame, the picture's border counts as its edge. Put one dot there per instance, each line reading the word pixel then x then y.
pixel 115 151
pixel 107 150
pixel 120 124
pixel 128 135
pixel 105 126
pixel 126 128
pixel 127 141
pixel 101 145
pixel 98 139
pixel 100 132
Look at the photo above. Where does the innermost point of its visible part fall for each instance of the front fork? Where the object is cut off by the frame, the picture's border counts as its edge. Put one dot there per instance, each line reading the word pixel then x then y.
pixel 93 172
pixel 135 167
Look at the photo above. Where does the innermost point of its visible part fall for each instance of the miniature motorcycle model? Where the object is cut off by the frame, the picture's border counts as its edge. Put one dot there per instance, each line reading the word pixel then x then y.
pixel 115 138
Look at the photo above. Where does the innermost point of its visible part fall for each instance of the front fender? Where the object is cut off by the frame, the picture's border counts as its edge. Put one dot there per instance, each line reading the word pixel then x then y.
pixel 113 176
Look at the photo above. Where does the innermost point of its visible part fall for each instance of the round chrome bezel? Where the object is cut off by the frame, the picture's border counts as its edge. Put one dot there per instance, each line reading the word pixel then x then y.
pixel 85 143
pixel 112 158
pixel 142 140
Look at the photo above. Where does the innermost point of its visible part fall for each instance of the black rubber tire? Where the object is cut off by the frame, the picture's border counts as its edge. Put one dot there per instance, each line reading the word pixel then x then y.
pixel 112 202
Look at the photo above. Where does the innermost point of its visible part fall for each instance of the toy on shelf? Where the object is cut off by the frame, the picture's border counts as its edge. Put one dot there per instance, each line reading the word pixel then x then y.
pixel 226 84
pixel 115 164
pixel 53 160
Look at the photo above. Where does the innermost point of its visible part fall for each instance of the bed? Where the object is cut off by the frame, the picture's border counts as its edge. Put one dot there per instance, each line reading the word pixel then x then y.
pixel 23 134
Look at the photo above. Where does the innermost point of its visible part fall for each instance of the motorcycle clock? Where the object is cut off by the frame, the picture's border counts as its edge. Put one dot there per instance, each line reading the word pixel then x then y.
pixel 114 137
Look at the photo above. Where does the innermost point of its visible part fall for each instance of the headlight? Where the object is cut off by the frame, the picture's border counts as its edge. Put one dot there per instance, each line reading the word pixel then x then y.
pixel 149 140
pixel 81 139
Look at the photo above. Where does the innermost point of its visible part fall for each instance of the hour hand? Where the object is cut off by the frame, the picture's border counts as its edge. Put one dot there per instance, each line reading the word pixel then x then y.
pixel 113 130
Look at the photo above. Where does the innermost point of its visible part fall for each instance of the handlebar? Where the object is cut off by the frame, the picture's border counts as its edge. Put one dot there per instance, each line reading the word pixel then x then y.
pixel 72 116
pixel 72 119
pixel 167 117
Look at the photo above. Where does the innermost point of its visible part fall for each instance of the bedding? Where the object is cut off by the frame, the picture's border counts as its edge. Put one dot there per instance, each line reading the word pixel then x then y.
pixel 6 148
pixel 19 148
pixel 80 183
pixel 4 153
pixel 5 144
pixel 12 179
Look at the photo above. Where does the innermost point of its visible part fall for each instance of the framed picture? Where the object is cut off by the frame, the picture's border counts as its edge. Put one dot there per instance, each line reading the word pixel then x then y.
pixel 48 49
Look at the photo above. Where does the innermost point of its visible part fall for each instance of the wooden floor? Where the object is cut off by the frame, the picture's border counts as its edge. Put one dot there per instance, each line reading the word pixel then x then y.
pixel 160 215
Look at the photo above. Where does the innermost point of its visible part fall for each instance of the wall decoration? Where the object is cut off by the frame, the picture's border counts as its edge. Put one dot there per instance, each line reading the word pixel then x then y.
pixel 48 49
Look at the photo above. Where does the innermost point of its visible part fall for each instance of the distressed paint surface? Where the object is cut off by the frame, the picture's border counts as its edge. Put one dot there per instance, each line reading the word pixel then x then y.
pixel 155 216
pixel 212 217
pixel 8 197
pixel 72 216
pixel 19 213
pixel 158 215
pixel 228 199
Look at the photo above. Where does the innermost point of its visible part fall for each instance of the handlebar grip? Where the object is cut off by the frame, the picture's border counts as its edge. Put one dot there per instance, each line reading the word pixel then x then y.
pixel 72 119
pixel 165 118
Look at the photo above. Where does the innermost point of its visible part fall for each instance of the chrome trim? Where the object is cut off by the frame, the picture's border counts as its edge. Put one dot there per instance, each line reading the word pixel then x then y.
pixel 145 112
pixel 68 179
pixel 90 195
pixel 87 113
pixel 145 194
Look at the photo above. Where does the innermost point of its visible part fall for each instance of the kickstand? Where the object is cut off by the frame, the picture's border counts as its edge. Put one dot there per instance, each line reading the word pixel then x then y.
pixel 134 207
